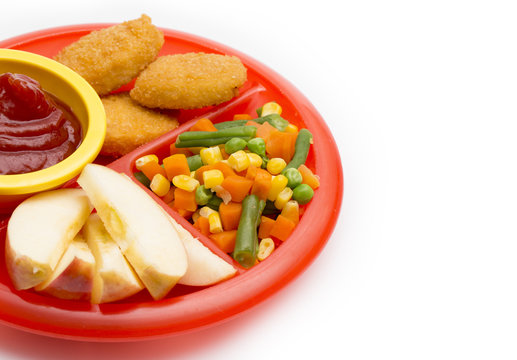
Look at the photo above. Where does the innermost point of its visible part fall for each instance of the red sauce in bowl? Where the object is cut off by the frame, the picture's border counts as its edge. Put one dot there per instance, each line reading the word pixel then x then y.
pixel 36 129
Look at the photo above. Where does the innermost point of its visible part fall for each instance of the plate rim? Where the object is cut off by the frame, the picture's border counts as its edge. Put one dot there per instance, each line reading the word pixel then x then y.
pixel 227 309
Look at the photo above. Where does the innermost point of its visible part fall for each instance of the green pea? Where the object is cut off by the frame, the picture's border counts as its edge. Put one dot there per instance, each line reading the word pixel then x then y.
pixel 234 144
pixel 203 195
pixel 294 178
pixel 194 162
pixel 303 193
pixel 214 203
pixel 257 146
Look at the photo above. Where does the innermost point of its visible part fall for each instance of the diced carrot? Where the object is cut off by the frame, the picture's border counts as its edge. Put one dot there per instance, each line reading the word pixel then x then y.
pixel 261 184
pixel 202 225
pixel 169 197
pixel 237 186
pixel 225 168
pixel 266 224
pixel 242 117
pixel 281 144
pixel 251 172
pixel 203 124
pixel 224 153
pixel 184 213
pixel 152 168
pixel 291 210
pixel 308 177
pixel 185 199
pixel 264 130
pixel 225 240
pixel 176 165
pixel 230 215
pixel 282 228
pixel 175 150
pixel 253 123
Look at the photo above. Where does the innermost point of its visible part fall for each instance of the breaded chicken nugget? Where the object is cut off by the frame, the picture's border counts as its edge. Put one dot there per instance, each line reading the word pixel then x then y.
pixel 111 57
pixel 130 125
pixel 189 81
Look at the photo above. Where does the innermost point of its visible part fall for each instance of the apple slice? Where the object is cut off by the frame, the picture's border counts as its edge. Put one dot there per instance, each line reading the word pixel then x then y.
pixel 72 278
pixel 114 278
pixel 204 267
pixel 140 227
pixel 40 230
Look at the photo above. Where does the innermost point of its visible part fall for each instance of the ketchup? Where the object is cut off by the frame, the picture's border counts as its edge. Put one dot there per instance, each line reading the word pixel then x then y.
pixel 36 129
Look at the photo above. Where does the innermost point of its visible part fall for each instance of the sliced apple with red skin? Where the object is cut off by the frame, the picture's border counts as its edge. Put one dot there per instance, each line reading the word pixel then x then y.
pixel 204 267
pixel 72 279
pixel 140 227
pixel 39 231
pixel 114 278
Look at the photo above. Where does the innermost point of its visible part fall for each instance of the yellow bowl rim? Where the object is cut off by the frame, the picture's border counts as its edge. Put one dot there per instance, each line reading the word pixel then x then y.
pixel 92 141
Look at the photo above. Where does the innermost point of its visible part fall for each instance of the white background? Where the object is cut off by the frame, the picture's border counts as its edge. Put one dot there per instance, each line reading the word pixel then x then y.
pixel 421 97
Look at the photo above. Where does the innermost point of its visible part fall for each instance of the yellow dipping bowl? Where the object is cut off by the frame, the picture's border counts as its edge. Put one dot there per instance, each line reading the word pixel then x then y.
pixel 74 91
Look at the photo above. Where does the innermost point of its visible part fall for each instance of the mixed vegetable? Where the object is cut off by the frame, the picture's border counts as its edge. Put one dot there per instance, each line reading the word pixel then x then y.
pixel 237 181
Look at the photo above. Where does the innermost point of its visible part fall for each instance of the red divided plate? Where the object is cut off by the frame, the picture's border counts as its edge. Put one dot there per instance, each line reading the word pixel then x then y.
pixel 189 308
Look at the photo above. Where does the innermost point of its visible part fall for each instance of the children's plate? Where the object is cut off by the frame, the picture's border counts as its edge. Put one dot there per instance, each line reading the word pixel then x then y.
pixel 189 308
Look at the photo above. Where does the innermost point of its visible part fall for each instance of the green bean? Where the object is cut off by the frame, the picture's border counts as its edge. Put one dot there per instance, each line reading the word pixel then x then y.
pixel 238 131
pixel 246 243
pixel 234 144
pixel 203 195
pixel 301 149
pixel 205 142
pixel 211 138
pixel 303 193
pixel 194 162
pixel 230 124
pixel 274 120
pixel 142 178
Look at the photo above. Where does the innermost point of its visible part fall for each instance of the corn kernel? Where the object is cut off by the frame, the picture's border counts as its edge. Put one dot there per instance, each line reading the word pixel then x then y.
pixel 212 178
pixel 144 160
pixel 291 210
pixel 239 160
pixel 192 174
pixel 291 128
pixel 271 108
pixel 266 247
pixel 215 222
pixel 278 183
pixel 283 198
pixel 255 159
pixel 211 155
pixel 276 165
pixel 205 211
pixel 160 185
pixel 185 182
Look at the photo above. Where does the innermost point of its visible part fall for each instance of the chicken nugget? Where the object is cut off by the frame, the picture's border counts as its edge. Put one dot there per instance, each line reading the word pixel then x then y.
pixel 189 81
pixel 130 125
pixel 111 57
